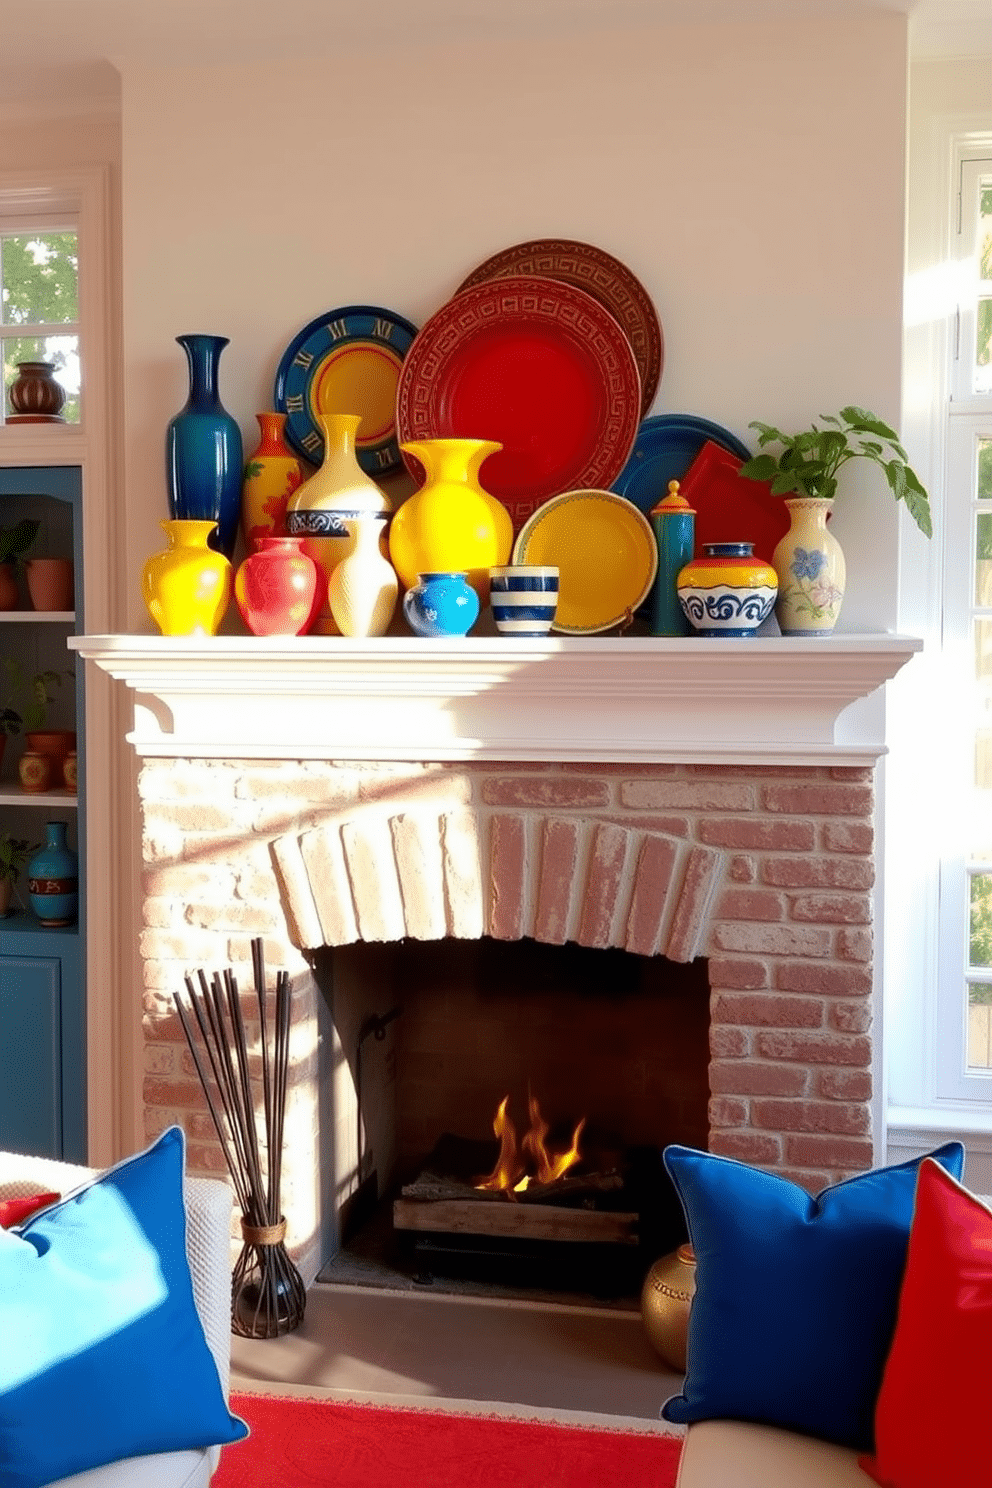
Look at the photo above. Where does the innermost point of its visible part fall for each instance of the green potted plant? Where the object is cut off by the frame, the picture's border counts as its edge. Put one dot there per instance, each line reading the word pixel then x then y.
pixel 15 853
pixel 14 543
pixel 808 462
pixel 24 703
pixel 804 471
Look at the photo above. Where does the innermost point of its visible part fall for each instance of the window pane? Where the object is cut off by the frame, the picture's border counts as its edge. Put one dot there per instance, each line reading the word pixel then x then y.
pixel 983 347
pixel 983 705
pixel 40 279
pixel 980 938
pixel 980 1026
pixel 61 351
pixel 984 492
pixel 983 560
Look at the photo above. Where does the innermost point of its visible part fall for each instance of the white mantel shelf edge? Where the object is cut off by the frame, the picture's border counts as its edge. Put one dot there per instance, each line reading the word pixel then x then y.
pixel 762 700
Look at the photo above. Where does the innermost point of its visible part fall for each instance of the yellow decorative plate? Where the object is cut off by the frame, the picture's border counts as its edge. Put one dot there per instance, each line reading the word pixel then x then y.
pixel 606 554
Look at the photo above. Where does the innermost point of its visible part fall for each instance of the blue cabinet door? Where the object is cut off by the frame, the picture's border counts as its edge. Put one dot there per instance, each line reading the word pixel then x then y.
pixel 30 1055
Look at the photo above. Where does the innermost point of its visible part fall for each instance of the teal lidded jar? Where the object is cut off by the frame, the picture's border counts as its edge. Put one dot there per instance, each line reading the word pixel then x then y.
pixel 53 879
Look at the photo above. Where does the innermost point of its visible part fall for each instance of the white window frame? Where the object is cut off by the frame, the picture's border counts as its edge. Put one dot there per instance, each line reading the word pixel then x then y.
pixel 973 166
pixel 954 1080
pixel 40 223
pixel 925 1093
pixel 96 445
pixel 968 418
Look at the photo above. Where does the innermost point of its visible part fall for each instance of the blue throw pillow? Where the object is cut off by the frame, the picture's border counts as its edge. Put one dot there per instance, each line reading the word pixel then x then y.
pixel 796 1297
pixel 102 1352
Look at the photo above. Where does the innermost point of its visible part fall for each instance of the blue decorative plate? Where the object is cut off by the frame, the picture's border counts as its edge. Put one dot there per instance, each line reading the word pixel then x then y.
pixel 666 445
pixel 346 361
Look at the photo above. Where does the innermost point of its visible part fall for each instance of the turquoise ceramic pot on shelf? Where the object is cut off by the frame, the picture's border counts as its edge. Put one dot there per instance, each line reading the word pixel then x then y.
pixel 441 604
pixel 53 879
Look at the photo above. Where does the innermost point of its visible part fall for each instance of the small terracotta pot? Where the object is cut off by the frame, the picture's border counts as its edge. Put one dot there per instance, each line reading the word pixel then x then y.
pixel 52 741
pixel 50 583
pixel 36 771
pixel 9 598
pixel 70 771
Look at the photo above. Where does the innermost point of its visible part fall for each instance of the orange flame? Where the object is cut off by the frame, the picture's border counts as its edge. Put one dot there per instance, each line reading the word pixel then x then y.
pixel 531 1161
pixel 508 1167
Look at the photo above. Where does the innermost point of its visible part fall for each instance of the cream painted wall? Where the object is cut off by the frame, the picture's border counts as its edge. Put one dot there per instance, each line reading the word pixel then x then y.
pixel 750 175
pixel 92 138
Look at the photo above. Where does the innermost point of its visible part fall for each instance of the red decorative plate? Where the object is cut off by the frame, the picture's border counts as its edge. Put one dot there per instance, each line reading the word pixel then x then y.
pixel 730 508
pixel 599 274
pixel 539 366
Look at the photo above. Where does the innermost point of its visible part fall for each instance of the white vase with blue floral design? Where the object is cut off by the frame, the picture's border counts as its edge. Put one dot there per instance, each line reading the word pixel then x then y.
pixel 811 570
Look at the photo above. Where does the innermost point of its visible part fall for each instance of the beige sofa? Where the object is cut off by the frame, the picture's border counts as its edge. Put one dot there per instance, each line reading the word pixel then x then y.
pixel 208 1216
pixel 737 1454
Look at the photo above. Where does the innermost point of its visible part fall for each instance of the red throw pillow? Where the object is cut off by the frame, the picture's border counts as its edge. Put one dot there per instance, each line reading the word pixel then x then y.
pixel 15 1211
pixel 941 1346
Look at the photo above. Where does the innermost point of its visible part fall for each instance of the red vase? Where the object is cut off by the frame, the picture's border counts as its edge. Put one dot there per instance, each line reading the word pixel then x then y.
pixel 279 589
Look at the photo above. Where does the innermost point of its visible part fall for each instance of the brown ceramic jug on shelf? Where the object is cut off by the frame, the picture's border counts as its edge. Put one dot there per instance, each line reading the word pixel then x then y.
pixel 35 396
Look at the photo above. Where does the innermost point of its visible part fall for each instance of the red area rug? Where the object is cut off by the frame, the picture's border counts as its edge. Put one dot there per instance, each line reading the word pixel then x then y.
pixel 297 1443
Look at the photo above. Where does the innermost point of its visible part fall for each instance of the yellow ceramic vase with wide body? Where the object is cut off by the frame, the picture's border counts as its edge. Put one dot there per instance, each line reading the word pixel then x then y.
pixel 452 524
pixel 187 587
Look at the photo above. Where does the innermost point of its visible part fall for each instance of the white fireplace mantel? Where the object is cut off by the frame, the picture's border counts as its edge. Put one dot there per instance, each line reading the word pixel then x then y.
pixel 763 700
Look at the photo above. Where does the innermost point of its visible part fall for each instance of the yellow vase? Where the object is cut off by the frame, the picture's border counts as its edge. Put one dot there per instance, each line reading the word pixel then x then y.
pixel 452 524
pixel 318 510
pixel 187 587
pixel 272 474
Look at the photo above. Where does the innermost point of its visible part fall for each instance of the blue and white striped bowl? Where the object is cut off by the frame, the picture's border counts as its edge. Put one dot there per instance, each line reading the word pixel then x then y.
pixel 524 598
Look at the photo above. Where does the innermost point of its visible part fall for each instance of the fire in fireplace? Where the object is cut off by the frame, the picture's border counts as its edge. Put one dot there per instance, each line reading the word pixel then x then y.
pixel 616 1043
pixel 530 1160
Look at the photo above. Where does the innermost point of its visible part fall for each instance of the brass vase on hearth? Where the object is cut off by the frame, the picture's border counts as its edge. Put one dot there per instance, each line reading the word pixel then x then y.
pixel 666 1300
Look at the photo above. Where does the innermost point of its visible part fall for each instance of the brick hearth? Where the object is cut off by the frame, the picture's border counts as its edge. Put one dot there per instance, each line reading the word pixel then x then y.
pixel 766 871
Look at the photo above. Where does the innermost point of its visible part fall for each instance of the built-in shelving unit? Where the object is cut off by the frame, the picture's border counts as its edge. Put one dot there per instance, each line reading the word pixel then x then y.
pixel 42 969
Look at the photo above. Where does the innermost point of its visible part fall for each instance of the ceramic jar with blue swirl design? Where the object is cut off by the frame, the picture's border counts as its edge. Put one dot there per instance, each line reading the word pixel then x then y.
pixel 727 592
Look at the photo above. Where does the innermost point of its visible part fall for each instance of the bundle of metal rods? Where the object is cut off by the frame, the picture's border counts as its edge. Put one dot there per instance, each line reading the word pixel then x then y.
pixel 267 1294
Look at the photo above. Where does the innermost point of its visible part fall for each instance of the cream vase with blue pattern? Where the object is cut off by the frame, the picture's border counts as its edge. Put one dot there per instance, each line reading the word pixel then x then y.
pixel 811 570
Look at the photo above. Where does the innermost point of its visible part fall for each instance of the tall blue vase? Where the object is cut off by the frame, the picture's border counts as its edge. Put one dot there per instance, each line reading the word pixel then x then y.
pixel 204 458
pixel 53 879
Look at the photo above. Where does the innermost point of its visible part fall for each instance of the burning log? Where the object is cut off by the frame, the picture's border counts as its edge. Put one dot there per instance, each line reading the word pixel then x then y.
pixel 539 1194
pixel 518 1221
pixel 521 1164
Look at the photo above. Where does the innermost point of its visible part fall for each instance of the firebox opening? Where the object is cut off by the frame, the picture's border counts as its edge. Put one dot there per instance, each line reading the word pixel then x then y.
pixel 423 1041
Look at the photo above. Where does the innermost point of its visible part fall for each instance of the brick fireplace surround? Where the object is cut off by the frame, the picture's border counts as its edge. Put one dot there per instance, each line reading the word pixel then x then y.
pixel 680 800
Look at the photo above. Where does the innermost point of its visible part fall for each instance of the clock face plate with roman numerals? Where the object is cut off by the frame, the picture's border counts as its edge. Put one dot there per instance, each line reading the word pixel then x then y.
pixel 346 361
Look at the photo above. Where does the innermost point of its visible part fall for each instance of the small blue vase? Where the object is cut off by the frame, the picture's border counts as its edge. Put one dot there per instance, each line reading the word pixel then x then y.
pixel 53 879
pixel 441 604
pixel 204 458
